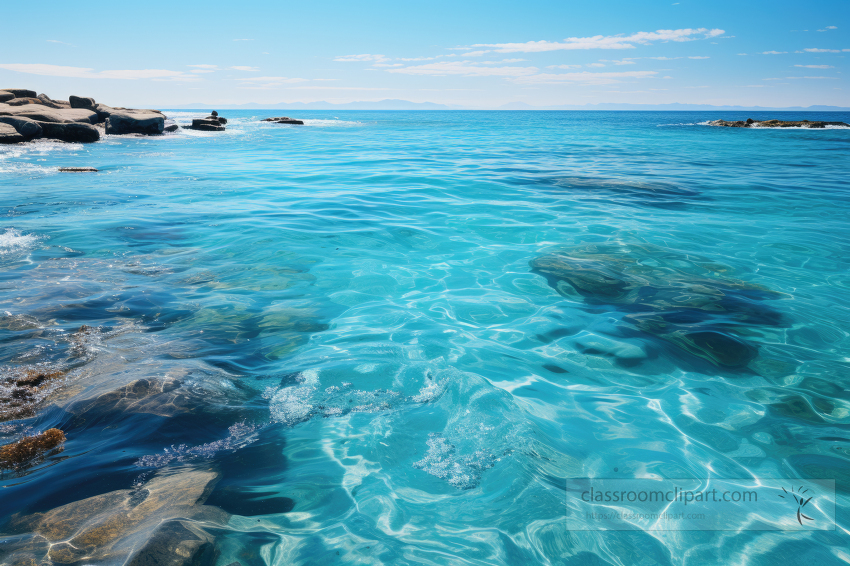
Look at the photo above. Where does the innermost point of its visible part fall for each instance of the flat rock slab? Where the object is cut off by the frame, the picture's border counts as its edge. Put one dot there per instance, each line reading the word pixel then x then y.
pixel 21 92
pixel 43 113
pixel 8 134
pixel 775 124
pixel 78 170
pixel 135 122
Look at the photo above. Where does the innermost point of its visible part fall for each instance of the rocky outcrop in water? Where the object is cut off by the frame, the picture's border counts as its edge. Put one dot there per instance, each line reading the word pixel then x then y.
pixel 680 299
pixel 750 123
pixel 284 120
pixel 80 119
pixel 212 123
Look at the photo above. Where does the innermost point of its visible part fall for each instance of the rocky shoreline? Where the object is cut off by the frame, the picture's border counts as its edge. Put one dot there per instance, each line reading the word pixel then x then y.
pixel 25 116
pixel 750 123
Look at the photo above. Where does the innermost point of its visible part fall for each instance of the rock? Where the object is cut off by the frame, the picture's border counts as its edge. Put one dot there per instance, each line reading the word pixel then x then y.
pixel 135 122
pixel 103 111
pixel 143 523
pixel 284 120
pixel 21 101
pixel 47 101
pixel 176 543
pixel 77 170
pixel 26 127
pixel 222 120
pixel 6 96
pixel 21 92
pixel 70 132
pixel 750 123
pixel 171 128
pixel 207 125
pixel 9 134
pixel 81 102
pixel 42 113
pixel 214 113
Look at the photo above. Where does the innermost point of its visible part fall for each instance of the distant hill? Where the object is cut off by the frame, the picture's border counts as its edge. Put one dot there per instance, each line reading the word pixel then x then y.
pixel 392 104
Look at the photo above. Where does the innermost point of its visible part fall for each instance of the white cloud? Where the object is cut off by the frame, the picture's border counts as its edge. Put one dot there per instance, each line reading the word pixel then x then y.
pixel 595 65
pixel 361 58
pixel 564 67
pixel 584 77
pixel 817 50
pixel 201 71
pixel 774 52
pixel 828 78
pixel 244 68
pixel 624 62
pixel 664 58
pixel 465 68
pixel 87 73
pixel 815 66
pixel 210 67
pixel 388 65
pixel 604 42
pixel 827 28
pixel 699 57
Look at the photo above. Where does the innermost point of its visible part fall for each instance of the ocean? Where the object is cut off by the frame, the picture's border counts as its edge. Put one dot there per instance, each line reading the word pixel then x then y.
pixel 395 337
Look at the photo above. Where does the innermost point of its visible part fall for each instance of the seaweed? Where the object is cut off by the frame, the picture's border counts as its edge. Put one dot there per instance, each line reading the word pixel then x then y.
pixel 21 453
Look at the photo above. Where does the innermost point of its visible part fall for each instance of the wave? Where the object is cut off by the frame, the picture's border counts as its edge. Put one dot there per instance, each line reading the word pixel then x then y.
pixel 13 242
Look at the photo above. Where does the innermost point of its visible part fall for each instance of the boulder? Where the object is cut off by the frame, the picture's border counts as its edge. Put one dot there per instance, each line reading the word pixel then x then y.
pixel 135 122
pixel 23 101
pixel 26 127
pixel 171 128
pixel 81 102
pixel 207 125
pixel 47 101
pixel 70 131
pixel 42 113
pixel 6 96
pixel 8 134
pixel 21 92
pixel 103 111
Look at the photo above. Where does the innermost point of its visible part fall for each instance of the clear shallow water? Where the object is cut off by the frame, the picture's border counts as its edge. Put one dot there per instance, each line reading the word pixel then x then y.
pixel 340 323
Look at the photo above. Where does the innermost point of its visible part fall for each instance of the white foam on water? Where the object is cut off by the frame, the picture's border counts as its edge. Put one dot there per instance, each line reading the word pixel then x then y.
pixel 13 242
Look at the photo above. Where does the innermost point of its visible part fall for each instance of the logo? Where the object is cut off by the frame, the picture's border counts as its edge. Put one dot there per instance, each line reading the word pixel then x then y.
pixel 800 501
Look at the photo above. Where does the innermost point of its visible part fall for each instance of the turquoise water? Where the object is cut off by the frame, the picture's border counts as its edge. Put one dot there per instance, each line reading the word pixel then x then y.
pixel 356 327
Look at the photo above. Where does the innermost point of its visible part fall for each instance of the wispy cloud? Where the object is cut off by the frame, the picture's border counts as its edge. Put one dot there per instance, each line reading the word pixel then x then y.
pixel 815 66
pixel 818 50
pixel 584 77
pixel 595 65
pixel 827 28
pixel 774 52
pixel 603 41
pixel 564 67
pixel 244 68
pixel 87 73
pixel 464 68
pixel 699 57
pixel 361 58
pixel 208 67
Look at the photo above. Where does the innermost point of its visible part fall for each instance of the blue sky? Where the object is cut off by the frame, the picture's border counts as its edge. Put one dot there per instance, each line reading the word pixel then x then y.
pixel 481 53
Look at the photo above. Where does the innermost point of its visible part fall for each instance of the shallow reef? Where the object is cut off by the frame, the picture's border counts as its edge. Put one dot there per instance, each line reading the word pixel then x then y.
pixel 685 300
pixel 24 388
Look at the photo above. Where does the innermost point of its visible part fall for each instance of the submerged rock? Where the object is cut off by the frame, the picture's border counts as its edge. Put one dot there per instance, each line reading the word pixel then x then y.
pixel 674 297
pixel 750 123
pixel 77 170
pixel 142 524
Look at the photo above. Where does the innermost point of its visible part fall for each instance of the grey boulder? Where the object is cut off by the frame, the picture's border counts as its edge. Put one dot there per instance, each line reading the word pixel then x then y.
pixel 47 101
pixel 24 126
pixel 6 96
pixel 8 134
pixel 21 92
pixel 207 125
pixel 135 122
pixel 81 102
pixel 70 131
pixel 42 113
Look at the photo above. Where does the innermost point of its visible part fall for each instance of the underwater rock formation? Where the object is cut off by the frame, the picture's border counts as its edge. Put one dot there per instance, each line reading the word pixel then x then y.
pixel 284 120
pixel 151 520
pixel 29 448
pixel 673 297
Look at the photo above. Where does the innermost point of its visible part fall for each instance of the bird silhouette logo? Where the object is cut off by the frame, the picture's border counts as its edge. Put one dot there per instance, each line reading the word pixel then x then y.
pixel 800 500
